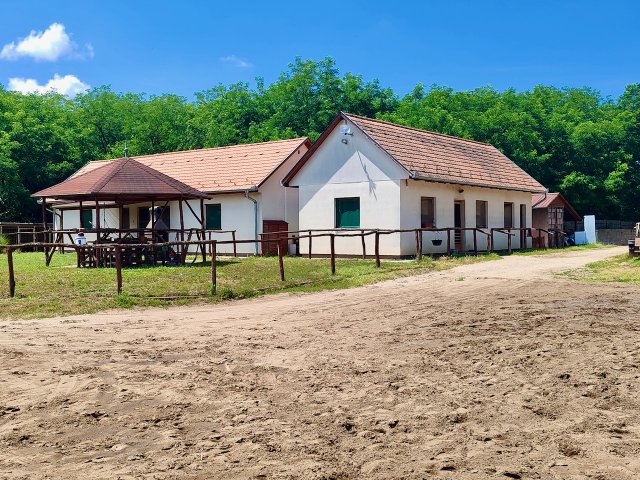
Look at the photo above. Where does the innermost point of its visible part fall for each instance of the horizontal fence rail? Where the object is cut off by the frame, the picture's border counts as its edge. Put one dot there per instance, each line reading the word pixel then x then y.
pixel 112 252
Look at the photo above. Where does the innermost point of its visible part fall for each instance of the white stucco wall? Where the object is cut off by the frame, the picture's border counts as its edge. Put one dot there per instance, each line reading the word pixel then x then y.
pixel 278 202
pixel 358 168
pixel 446 195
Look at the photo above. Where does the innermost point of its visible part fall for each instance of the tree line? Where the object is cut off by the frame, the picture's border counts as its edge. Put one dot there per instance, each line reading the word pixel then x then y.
pixel 572 140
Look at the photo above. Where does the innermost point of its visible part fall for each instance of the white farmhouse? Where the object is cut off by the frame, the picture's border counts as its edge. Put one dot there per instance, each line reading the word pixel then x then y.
pixel 371 174
pixel 242 185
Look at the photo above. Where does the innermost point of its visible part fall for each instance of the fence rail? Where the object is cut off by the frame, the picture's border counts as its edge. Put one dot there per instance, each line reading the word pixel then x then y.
pixel 115 250
pixel 17 232
pixel 601 224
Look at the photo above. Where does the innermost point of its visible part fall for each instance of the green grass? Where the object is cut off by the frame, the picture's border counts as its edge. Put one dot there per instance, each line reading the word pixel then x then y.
pixel 621 268
pixel 62 289
pixel 549 251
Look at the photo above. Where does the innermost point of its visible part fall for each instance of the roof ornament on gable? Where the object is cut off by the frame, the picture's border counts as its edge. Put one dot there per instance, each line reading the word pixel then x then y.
pixel 346 131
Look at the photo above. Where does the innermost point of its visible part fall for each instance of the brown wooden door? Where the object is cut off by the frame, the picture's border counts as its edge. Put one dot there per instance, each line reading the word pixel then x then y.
pixel 523 224
pixel 271 233
pixel 458 222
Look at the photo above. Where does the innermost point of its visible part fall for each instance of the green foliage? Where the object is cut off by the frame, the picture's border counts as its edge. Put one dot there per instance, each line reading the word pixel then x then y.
pixel 571 140
pixel 621 268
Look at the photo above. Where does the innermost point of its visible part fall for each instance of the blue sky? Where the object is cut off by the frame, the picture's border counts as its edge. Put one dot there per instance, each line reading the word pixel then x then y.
pixel 187 46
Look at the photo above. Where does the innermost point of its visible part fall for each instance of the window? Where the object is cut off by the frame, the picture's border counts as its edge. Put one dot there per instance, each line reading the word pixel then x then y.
pixel 144 217
pixel 214 217
pixel 348 212
pixel 481 214
pixel 86 220
pixel 508 215
pixel 427 212
pixel 126 218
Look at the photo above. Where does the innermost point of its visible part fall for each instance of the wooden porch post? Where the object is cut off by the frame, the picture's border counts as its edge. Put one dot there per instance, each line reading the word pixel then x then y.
pixel 44 213
pixel 62 228
pixel 182 247
pixel 97 221
pixel 98 256
pixel 120 220
pixel 202 225
pixel 475 241
pixel 81 219
pixel 44 220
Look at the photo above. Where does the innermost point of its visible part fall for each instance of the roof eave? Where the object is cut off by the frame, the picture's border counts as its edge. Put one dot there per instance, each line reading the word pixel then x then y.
pixel 306 142
pixel 253 188
pixel 417 176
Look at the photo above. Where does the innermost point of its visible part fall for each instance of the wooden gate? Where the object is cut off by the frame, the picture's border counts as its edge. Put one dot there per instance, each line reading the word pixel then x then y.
pixel 270 230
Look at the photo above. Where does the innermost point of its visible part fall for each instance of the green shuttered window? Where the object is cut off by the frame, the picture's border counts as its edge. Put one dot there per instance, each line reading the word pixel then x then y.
pixel 87 219
pixel 348 212
pixel 214 217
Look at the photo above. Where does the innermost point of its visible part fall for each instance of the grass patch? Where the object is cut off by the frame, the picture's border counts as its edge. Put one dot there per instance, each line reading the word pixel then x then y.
pixel 62 289
pixel 549 251
pixel 621 268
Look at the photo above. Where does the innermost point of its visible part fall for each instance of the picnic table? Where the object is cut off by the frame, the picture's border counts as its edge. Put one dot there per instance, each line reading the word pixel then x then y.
pixel 135 251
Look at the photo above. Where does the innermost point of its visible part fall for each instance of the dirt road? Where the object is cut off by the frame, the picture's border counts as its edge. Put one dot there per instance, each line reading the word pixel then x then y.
pixel 493 370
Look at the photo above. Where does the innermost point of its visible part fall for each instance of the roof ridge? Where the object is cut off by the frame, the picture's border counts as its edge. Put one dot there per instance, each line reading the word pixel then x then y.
pixel 163 177
pixel 210 148
pixel 102 182
pixel 470 140
pixel 102 179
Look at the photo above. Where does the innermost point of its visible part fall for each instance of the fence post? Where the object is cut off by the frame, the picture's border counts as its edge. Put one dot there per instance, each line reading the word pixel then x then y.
pixel 377 248
pixel 491 242
pixel 448 241
pixel 332 239
pixel 12 280
pixel 418 246
pixel 509 240
pixel 235 247
pixel 475 241
pixel 119 268
pixel 280 261
pixel 364 246
pixel 310 243
pixel 214 256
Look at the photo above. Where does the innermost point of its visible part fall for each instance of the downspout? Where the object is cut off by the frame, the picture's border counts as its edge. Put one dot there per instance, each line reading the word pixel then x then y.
pixel 255 217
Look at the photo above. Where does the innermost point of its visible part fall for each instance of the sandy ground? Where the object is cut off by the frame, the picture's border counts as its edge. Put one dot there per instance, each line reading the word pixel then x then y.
pixel 494 370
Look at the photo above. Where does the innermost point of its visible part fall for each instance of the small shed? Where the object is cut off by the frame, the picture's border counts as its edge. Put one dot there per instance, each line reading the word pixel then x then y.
pixel 550 211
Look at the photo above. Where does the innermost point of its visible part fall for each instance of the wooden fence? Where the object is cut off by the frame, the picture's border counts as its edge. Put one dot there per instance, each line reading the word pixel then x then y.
pixel 114 250
pixel 20 233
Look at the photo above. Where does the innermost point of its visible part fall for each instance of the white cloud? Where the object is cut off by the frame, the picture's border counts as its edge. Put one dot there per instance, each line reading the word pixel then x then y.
pixel 69 85
pixel 49 45
pixel 89 50
pixel 236 61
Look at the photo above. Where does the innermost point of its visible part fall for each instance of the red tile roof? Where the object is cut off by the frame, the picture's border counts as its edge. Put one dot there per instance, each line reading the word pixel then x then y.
pixel 221 169
pixel 121 178
pixel 437 157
